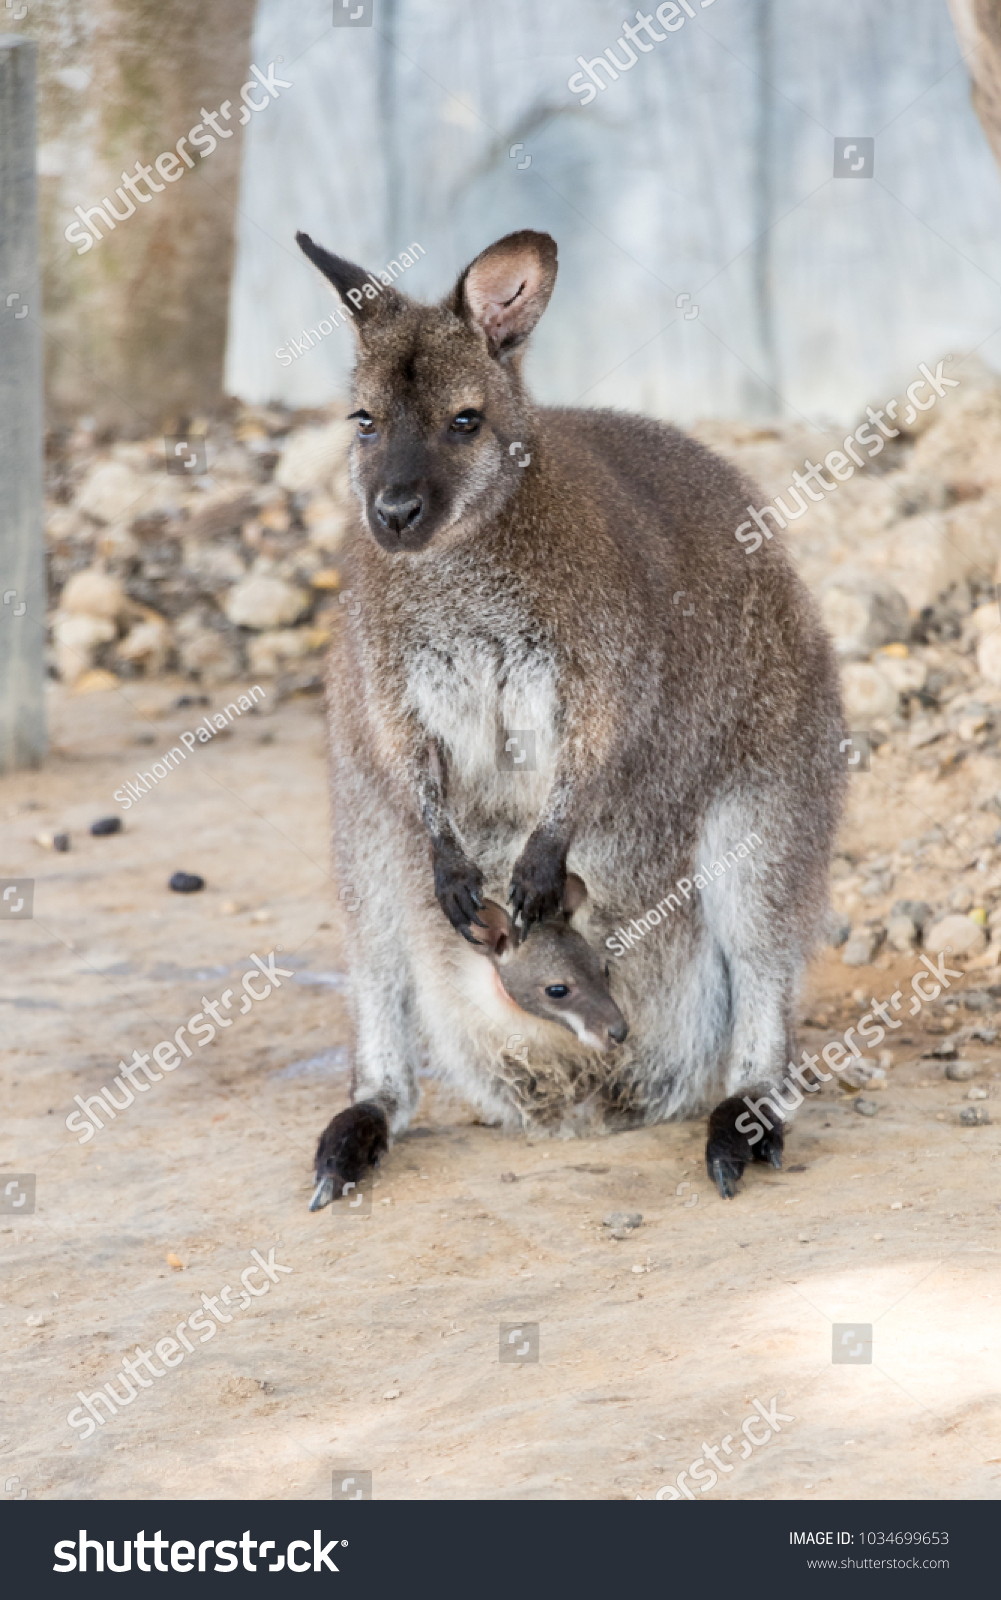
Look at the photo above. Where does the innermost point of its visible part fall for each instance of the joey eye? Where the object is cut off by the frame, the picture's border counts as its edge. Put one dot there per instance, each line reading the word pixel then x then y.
pixel 467 421
pixel 366 427
pixel 558 991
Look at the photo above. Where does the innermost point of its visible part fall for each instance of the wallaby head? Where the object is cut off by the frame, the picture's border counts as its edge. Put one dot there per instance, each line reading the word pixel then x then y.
pixel 438 389
pixel 553 973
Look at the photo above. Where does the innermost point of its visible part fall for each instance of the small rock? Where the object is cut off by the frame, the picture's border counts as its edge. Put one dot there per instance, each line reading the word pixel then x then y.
pixel 623 1219
pixel 268 652
pixel 36 1320
pixel 868 696
pixel 862 612
pixel 641 1269
pixel 183 701
pixel 975 1116
pixel 960 1071
pixel 105 825
pixel 111 491
pixel 262 602
pixel 957 935
pixel 901 934
pixel 77 638
pixel 898 1205
pixel 977 1094
pixel 509 1177
pixel 186 882
pixel 392 1394
pixel 866 1108
pixel 961 899
pixel 61 842
pixel 918 910
pixel 207 653
pixel 946 1051
pixel 906 675
pixel 312 455
pixel 861 947
pixel 977 1000
pixel 93 593
pixel 838 931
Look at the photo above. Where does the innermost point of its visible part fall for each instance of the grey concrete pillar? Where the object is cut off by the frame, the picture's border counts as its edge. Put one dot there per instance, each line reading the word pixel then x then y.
pixel 22 567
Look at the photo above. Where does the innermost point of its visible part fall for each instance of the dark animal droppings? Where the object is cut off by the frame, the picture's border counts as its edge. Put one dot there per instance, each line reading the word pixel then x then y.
pixel 106 825
pixel 186 882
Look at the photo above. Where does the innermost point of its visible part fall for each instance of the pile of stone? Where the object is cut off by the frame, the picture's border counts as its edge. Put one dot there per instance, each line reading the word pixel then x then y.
pixel 217 572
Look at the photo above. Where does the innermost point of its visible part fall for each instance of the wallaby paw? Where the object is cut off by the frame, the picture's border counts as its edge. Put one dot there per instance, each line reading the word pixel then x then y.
pixel 350 1145
pixel 728 1151
pixel 538 881
pixel 457 885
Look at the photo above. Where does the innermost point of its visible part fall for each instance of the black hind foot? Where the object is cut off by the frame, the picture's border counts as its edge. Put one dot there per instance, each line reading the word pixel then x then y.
pixel 349 1147
pixel 728 1150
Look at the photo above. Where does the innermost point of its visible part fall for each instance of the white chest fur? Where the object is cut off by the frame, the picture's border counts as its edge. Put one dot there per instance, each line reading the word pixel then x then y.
pixel 475 696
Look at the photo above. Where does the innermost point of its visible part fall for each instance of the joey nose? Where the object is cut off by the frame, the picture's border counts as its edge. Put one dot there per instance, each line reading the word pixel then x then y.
pixel 397 510
pixel 618 1030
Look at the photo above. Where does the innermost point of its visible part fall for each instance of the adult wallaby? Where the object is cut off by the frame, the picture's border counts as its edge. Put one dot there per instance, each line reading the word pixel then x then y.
pixel 516 573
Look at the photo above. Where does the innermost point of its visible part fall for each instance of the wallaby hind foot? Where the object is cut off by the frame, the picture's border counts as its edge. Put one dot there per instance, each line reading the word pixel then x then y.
pixel 350 1146
pixel 728 1150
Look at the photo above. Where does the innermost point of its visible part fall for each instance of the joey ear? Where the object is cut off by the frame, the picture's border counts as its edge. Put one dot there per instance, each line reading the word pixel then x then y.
pixel 498 936
pixel 366 303
pixel 574 894
pixel 504 292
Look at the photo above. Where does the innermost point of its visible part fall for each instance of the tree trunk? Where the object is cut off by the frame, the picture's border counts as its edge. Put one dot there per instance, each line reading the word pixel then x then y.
pixel 136 323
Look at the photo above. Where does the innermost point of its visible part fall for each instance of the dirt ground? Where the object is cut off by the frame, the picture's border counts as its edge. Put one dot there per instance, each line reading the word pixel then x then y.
pixel 379 1351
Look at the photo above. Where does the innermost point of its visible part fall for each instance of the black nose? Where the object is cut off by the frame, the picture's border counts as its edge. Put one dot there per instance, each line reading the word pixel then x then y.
pixel 618 1030
pixel 397 510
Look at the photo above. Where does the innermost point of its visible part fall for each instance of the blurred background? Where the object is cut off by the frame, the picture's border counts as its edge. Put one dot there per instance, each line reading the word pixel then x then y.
pixel 706 170
pixel 769 216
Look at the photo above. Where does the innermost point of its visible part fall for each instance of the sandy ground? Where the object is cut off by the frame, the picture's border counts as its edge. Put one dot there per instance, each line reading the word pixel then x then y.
pixel 379 1351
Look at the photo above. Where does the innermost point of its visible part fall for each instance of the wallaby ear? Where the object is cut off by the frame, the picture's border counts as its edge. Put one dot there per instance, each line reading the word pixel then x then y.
pixel 574 895
pixel 367 301
pixel 505 290
pixel 498 936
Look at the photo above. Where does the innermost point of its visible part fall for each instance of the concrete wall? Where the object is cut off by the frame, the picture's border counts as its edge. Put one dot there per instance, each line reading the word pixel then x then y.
pixel 706 170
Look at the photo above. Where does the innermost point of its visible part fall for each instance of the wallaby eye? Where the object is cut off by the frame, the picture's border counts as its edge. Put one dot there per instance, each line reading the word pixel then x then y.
pixel 366 427
pixel 558 991
pixel 467 421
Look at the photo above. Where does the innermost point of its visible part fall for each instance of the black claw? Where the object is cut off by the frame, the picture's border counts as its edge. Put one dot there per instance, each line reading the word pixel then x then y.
pixel 725 1176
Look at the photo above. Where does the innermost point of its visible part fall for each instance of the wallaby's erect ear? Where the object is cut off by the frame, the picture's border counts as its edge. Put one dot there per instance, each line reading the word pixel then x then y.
pixel 498 936
pixel 505 290
pixel 366 300
pixel 574 895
